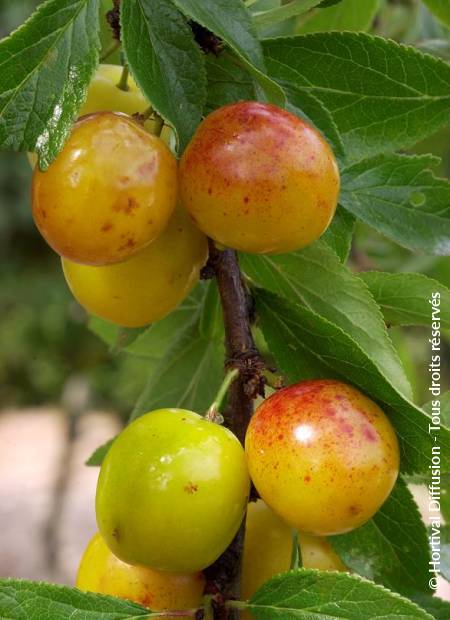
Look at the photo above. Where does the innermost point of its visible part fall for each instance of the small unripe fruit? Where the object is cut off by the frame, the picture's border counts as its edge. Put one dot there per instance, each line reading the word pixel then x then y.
pixel 108 194
pixel 147 286
pixel 268 548
pixel 322 455
pixel 259 179
pixel 100 571
pixel 172 491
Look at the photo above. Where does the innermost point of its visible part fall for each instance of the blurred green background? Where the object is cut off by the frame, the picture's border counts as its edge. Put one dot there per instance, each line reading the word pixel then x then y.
pixel 44 339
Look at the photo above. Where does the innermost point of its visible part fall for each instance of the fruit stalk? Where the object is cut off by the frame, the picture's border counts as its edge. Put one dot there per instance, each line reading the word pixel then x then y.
pixel 224 575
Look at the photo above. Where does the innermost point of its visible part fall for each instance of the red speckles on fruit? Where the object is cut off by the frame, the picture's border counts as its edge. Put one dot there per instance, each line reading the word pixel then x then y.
pixel 257 153
pixel 337 462
pixel 147 286
pixel 109 171
pixel 369 433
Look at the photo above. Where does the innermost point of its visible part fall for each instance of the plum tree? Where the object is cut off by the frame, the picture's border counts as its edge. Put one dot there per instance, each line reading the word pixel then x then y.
pixel 100 571
pixel 147 286
pixel 108 194
pixel 259 179
pixel 172 491
pixel 322 455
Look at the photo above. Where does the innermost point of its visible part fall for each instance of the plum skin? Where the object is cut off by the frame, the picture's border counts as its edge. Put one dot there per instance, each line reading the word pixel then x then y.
pixel 172 491
pixel 258 179
pixel 268 547
pixel 100 571
pixel 147 286
pixel 108 194
pixel 322 455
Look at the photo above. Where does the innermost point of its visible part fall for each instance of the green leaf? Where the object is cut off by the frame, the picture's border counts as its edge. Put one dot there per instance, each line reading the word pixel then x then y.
pixel 320 595
pixel 211 317
pixel 150 342
pixel 28 600
pixel 198 322
pixel 436 607
pixel 340 233
pixel 315 278
pixel 440 8
pixel 399 196
pixel 405 298
pixel 166 62
pixel 445 497
pixel 117 338
pixel 307 106
pixel 188 376
pixel 106 331
pixel 155 339
pixel 348 15
pixel 45 68
pixel 263 19
pixel 303 341
pixel 231 21
pixel 444 406
pixel 227 82
pixel 382 95
pixel 392 548
pixel 438 406
pixel 96 458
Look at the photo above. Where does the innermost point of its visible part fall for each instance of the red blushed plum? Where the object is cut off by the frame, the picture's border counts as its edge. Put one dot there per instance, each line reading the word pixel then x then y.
pixel 322 455
pixel 259 179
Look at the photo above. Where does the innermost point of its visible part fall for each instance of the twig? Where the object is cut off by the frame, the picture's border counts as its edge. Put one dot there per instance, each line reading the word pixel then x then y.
pixel 224 575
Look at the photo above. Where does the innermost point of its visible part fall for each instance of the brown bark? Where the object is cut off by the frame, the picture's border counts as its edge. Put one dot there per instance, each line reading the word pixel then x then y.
pixel 224 575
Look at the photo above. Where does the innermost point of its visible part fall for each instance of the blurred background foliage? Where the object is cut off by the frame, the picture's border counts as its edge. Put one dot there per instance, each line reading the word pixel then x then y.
pixel 44 339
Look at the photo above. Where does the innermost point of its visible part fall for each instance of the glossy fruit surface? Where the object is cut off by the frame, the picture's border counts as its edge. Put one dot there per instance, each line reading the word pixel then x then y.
pixel 322 455
pixel 100 571
pixel 259 179
pixel 147 286
pixel 104 95
pixel 108 194
pixel 172 491
pixel 268 547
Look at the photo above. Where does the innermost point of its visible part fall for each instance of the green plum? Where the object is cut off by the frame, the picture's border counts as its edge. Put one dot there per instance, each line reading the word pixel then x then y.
pixel 172 491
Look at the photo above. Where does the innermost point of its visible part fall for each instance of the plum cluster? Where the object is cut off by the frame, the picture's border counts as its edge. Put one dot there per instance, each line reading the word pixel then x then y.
pixel 131 226
pixel 173 491
pixel 130 223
